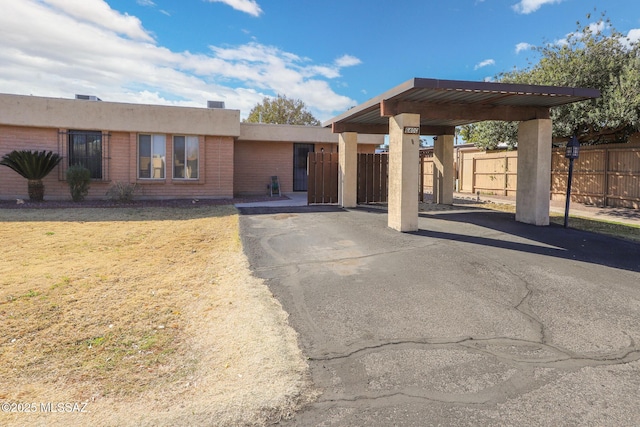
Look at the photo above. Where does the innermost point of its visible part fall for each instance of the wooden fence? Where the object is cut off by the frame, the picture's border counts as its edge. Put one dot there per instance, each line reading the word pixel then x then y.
pixel 373 178
pixel 322 181
pixel 603 175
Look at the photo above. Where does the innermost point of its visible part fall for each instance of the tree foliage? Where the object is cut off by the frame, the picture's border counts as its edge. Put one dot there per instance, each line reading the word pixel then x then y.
pixel 282 110
pixel 595 56
pixel 32 165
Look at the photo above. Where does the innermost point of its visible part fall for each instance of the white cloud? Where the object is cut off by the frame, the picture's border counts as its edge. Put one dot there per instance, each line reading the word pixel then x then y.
pixel 634 35
pixel 247 6
pixel 484 63
pixel 529 6
pixel 62 53
pixel 347 61
pixel 97 12
pixel 523 46
pixel 149 3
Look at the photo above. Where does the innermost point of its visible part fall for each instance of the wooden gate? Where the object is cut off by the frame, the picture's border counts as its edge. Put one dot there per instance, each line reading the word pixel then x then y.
pixel 373 178
pixel 322 184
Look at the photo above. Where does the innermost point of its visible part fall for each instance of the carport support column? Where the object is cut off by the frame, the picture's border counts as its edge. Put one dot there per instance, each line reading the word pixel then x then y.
pixel 404 171
pixel 443 170
pixel 348 169
pixel 534 172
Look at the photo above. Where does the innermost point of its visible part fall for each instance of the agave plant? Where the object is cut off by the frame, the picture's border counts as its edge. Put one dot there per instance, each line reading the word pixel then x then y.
pixel 34 166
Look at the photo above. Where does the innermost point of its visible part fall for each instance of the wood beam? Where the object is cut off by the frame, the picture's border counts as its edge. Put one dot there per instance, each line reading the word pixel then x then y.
pixel 376 129
pixel 383 129
pixel 473 112
pixel 437 130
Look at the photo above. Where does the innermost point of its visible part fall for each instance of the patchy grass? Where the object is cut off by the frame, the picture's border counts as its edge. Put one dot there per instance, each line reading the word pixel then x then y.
pixel 149 315
pixel 610 228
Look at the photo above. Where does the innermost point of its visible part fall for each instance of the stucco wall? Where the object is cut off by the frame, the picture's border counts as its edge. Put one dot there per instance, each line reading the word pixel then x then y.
pixel 35 111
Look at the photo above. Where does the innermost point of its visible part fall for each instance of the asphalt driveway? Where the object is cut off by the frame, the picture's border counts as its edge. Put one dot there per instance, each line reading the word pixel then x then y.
pixel 473 320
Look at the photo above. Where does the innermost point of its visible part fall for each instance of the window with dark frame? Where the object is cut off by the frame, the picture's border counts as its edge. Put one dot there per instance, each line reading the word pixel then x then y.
pixel 151 156
pixel 186 153
pixel 85 149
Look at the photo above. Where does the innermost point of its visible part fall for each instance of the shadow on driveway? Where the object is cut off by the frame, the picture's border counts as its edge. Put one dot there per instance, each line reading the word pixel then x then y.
pixel 556 240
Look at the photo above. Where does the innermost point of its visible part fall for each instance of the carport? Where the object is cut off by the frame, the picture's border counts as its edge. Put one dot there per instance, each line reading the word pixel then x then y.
pixel 435 107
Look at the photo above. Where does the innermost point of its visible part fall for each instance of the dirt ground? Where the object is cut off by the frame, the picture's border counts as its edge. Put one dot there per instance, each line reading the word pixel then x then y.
pixel 140 315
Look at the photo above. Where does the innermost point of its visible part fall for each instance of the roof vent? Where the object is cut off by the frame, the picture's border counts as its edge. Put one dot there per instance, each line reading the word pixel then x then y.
pixel 88 97
pixel 215 104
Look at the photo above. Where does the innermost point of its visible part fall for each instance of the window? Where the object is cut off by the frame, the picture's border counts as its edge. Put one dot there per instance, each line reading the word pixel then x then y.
pixel 186 151
pixel 85 149
pixel 151 156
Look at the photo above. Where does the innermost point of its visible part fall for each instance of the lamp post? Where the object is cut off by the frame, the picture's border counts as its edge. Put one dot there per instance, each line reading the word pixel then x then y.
pixel 572 151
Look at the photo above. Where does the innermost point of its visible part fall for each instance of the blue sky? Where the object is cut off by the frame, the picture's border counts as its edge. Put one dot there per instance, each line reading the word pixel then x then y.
pixel 332 54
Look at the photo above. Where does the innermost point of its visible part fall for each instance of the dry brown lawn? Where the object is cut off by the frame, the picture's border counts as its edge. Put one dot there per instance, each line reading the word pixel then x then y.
pixel 142 316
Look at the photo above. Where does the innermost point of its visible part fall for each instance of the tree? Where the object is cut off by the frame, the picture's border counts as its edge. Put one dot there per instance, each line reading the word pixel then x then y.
pixel 282 110
pixel 595 56
pixel 34 166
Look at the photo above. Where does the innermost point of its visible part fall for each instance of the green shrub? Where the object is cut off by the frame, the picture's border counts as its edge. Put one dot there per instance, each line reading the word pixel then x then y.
pixel 79 179
pixel 122 191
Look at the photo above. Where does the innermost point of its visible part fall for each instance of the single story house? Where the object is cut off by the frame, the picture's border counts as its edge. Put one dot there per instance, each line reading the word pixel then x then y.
pixel 168 151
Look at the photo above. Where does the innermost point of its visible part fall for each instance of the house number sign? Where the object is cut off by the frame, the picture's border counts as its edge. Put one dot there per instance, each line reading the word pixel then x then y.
pixel 412 130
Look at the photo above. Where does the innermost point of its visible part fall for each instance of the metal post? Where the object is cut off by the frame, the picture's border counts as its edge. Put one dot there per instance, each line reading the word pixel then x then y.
pixel 572 151
pixel 568 200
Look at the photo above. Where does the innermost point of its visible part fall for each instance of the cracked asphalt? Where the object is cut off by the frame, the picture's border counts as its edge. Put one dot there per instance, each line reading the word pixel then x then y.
pixel 473 320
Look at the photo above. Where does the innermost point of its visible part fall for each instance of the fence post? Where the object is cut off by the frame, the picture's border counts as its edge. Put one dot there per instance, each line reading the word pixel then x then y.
pixel 421 195
pixel 506 174
pixel 473 175
pixel 606 177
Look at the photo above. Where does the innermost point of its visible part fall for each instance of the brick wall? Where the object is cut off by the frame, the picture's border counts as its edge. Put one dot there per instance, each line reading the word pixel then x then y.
pixel 14 186
pixel 225 167
pixel 215 172
pixel 256 162
pixel 215 169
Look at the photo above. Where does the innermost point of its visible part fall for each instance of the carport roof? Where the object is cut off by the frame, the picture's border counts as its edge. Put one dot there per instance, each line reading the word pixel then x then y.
pixel 445 104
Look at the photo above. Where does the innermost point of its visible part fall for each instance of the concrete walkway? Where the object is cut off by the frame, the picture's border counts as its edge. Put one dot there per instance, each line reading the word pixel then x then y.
pixel 622 215
pixel 474 320
pixel 293 199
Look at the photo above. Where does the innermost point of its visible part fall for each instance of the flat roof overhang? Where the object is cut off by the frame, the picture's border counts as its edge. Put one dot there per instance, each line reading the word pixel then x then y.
pixel 445 104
